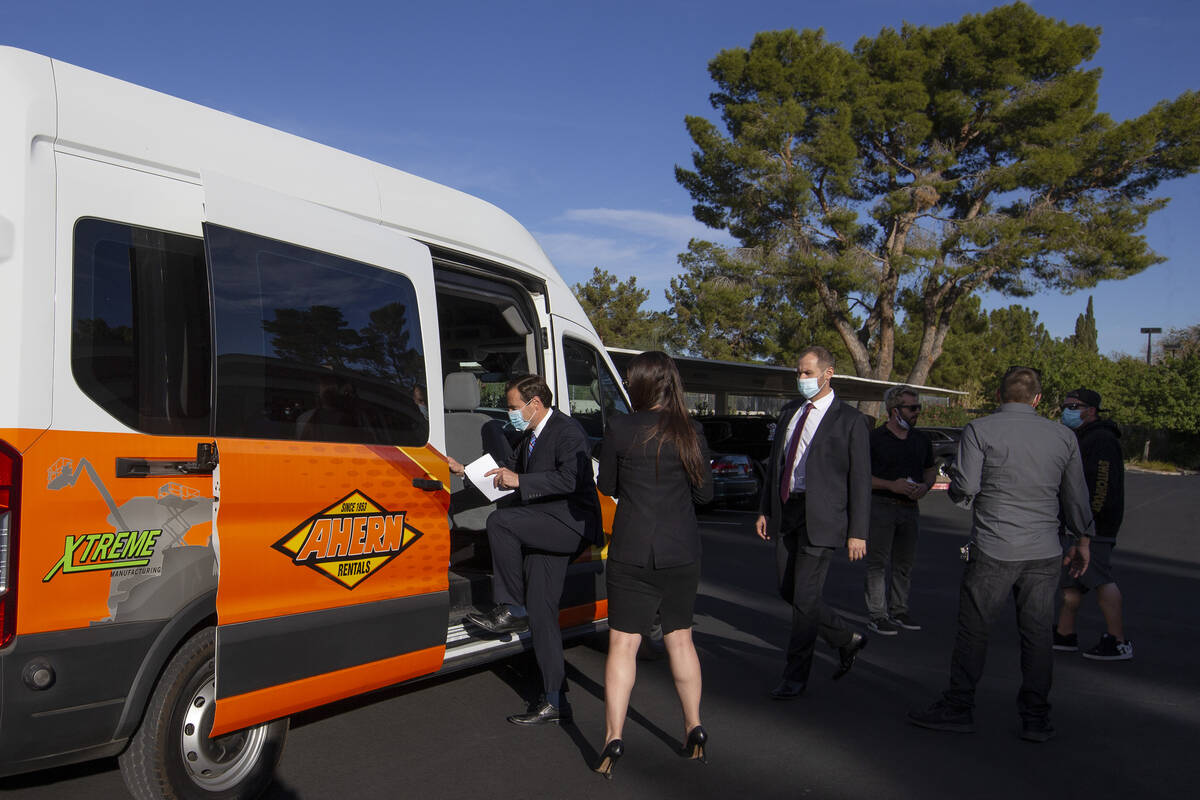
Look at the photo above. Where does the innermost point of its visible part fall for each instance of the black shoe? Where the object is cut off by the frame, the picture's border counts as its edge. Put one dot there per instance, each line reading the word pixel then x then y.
pixel 849 653
pixel 608 759
pixel 1037 730
pixel 694 747
pixel 499 620
pixel 1068 643
pixel 906 622
pixel 544 714
pixel 883 626
pixel 788 690
pixel 941 716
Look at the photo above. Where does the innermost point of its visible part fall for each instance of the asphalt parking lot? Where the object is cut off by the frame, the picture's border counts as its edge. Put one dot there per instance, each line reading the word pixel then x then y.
pixel 1126 729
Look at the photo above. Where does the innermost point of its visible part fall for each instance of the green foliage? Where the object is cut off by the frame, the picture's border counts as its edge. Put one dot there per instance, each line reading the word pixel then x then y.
pixel 614 308
pixel 1086 336
pixel 733 306
pixel 925 165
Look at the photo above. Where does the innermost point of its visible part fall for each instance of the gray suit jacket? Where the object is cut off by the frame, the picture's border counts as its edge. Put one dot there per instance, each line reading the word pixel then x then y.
pixel 838 477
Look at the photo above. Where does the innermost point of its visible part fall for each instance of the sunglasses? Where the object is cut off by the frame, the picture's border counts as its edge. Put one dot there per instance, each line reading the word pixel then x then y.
pixel 910 407
pixel 1074 406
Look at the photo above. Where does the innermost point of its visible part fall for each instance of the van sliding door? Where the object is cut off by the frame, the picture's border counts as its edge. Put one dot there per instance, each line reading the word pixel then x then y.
pixel 331 512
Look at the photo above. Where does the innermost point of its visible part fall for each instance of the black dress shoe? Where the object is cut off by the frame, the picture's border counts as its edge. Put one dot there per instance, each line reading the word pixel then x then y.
pixel 499 620
pixel 788 690
pixel 849 653
pixel 545 714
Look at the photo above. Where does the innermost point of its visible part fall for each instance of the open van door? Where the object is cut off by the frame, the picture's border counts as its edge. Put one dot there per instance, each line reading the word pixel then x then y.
pixel 330 512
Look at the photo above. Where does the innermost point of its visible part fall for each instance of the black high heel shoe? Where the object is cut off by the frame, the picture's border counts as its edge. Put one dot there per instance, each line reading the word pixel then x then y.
pixel 694 747
pixel 608 759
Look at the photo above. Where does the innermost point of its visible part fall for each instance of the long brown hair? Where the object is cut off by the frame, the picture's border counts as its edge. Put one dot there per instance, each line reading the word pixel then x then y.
pixel 654 384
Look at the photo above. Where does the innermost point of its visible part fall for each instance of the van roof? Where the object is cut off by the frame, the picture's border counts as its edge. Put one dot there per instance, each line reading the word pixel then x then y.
pixel 117 121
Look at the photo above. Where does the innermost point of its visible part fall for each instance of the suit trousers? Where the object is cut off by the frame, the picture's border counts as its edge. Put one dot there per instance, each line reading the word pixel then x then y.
pixel 802 568
pixel 530 554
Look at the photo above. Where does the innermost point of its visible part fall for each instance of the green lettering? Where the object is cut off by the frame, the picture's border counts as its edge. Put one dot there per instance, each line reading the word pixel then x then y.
pixel 148 546
pixel 100 553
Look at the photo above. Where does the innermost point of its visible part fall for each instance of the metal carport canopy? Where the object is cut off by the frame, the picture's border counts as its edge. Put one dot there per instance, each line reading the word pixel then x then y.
pixel 722 378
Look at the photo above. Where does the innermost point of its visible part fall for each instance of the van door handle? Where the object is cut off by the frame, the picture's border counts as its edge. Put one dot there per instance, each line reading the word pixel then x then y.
pixel 206 461
pixel 427 484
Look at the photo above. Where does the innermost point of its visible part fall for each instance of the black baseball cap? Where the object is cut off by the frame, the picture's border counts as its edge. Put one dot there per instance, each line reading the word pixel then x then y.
pixel 1087 397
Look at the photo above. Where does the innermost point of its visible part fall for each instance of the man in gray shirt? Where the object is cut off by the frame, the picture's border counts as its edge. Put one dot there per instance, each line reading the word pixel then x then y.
pixel 1016 470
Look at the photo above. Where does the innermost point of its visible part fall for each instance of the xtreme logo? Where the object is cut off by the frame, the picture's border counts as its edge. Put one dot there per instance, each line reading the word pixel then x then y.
pixel 105 551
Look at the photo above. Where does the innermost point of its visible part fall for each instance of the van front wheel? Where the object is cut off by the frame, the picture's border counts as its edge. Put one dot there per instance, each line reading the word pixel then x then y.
pixel 172 756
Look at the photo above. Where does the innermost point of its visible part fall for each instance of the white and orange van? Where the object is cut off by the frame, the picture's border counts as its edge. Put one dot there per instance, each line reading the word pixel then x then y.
pixel 236 364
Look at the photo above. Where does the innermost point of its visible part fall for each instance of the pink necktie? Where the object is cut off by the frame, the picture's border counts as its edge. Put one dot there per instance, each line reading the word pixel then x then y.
pixel 785 485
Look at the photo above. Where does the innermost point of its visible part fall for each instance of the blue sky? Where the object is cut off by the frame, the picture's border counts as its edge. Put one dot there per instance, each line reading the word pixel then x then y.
pixel 569 115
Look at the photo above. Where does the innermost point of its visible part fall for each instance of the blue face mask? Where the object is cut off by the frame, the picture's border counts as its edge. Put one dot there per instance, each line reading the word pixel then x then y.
pixel 1072 418
pixel 516 420
pixel 809 387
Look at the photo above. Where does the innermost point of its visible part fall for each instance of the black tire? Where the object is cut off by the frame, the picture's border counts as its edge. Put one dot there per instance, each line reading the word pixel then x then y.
pixel 171 755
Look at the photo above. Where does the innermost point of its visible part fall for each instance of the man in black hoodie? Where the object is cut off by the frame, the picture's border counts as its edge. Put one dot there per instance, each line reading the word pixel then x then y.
pixel 1104 470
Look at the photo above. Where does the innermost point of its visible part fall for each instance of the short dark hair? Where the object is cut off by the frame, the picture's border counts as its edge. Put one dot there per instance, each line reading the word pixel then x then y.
pixel 1020 385
pixel 894 396
pixel 531 386
pixel 824 357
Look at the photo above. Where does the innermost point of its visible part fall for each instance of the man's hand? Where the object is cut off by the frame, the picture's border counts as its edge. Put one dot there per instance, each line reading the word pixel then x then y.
pixel 922 489
pixel 760 527
pixel 505 478
pixel 857 548
pixel 1078 556
pixel 455 467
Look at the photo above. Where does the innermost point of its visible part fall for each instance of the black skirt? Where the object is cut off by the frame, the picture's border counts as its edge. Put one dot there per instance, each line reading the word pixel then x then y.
pixel 636 594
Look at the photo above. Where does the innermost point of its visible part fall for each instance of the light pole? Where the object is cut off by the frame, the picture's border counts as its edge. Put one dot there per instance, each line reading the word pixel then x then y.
pixel 1149 333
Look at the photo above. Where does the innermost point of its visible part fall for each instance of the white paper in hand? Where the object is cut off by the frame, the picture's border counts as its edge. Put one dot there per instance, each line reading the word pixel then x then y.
pixel 475 473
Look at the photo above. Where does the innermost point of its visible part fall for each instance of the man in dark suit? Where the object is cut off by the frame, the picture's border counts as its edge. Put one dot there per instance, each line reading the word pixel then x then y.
pixel 556 515
pixel 817 498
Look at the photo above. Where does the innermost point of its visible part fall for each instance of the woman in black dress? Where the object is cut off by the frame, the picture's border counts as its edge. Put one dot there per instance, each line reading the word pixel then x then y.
pixel 656 462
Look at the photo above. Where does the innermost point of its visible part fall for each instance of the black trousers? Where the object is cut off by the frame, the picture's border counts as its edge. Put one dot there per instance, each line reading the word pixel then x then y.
pixel 530 554
pixel 802 568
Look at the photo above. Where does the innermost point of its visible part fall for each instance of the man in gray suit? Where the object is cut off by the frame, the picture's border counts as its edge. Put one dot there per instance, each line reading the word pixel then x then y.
pixel 817 498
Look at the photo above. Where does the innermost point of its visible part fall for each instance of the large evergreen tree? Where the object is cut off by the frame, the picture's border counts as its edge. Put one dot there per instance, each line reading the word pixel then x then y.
pixel 928 164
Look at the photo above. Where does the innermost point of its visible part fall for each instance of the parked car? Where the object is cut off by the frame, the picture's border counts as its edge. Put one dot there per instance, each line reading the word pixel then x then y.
pixel 736 480
pixel 741 444
pixel 945 445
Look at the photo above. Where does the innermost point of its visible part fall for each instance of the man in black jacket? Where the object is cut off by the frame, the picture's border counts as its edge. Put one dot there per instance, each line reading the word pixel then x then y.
pixel 1104 470
pixel 556 514
pixel 817 498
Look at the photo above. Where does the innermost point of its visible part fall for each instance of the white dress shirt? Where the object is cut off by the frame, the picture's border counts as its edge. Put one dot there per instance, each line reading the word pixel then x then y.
pixel 799 467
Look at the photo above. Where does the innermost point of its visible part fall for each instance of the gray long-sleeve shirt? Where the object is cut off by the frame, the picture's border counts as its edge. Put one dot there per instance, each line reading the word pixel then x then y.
pixel 1016 470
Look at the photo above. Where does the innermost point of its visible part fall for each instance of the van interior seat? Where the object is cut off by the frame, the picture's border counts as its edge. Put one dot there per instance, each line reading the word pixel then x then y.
pixel 469 509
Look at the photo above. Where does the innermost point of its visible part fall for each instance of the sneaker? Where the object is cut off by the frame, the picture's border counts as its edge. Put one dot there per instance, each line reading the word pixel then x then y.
pixel 1037 730
pixel 883 626
pixel 941 716
pixel 906 622
pixel 1068 643
pixel 1109 648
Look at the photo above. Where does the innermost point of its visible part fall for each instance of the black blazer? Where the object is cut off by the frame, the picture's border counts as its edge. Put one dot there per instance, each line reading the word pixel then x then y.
pixel 557 478
pixel 656 515
pixel 837 480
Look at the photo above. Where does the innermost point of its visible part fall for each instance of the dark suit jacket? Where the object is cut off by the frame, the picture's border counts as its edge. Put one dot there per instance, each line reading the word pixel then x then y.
pixel 557 478
pixel 657 513
pixel 837 480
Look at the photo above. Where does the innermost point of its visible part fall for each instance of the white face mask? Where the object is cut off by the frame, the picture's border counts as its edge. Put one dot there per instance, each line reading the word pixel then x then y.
pixel 809 387
pixel 516 419
pixel 903 422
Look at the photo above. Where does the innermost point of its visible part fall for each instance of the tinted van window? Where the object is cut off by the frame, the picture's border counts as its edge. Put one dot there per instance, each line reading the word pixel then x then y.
pixel 592 391
pixel 312 346
pixel 140 338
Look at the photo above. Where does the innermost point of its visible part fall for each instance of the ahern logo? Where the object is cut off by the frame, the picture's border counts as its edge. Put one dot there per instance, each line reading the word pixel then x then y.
pixel 349 541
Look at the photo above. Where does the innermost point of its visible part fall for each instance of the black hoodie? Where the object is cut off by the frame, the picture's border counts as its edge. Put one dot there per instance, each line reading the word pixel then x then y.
pixel 1104 470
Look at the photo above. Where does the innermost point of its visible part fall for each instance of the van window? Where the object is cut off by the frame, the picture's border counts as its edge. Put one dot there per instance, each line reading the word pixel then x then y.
pixel 312 346
pixel 591 389
pixel 140 339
